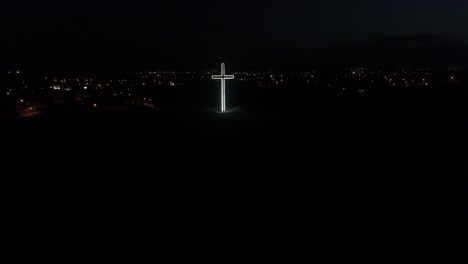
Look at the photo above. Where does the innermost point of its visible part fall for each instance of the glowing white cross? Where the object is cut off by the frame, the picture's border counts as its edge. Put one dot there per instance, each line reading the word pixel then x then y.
pixel 223 77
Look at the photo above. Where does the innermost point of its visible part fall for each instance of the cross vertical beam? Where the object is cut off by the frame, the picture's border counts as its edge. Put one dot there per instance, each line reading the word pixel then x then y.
pixel 223 77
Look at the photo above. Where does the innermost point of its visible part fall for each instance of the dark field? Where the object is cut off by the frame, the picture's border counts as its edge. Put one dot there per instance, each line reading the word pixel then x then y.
pixel 379 178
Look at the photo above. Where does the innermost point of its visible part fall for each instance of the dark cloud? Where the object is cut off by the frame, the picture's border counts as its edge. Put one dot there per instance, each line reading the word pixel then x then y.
pixel 401 50
pixel 410 39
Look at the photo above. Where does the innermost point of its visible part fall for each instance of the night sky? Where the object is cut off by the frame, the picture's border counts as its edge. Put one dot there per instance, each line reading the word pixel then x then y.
pixel 183 34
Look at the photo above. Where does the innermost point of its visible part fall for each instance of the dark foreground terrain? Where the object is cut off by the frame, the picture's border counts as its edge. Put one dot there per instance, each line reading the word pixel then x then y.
pixel 375 179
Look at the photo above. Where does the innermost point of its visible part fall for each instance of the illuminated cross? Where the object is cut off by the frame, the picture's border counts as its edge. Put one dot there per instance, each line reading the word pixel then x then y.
pixel 223 77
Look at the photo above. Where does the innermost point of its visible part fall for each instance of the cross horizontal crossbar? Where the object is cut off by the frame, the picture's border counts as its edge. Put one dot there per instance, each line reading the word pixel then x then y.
pixel 226 77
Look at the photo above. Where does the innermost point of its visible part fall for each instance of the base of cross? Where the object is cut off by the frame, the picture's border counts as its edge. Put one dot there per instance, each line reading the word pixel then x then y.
pixel 214 110
pixel 231 110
